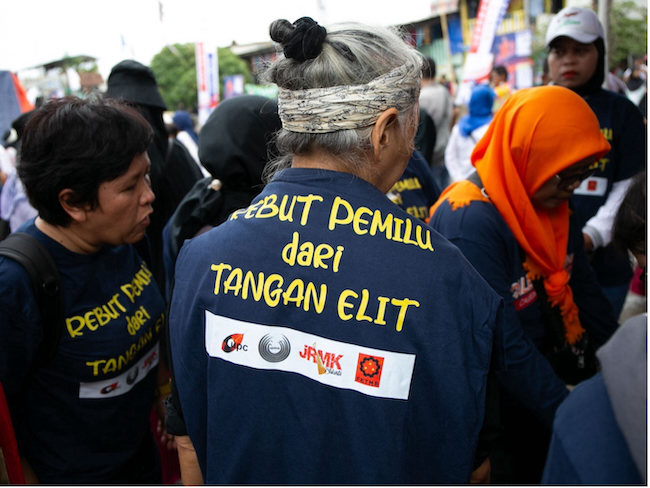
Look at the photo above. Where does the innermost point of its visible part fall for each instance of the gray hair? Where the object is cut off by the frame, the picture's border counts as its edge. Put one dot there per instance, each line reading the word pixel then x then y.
pixel 352 54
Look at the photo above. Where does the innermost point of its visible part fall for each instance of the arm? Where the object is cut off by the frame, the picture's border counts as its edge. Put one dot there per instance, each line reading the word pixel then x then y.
pixel 487 243
pixel 20 336
pixel 598 229
pixel 28 472
pixel 596 314
pixel 190 470
pixel 163 391
pixel 627 157
pixel 187 459
pixel 20 326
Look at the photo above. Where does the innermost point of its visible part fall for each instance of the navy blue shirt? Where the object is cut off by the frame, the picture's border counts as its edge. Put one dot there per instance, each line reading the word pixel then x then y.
pixel 485 239
pixel 622 125
pixel 621 122
pixel 588 447
pixel 85 416
pixel 416 191
pixel 323 335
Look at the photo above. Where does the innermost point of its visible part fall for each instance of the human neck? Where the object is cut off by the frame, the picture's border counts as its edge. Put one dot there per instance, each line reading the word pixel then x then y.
pixel 68 237
pixel 322 160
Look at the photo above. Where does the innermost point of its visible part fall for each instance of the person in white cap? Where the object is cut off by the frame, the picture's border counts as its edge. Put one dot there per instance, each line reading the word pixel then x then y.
pixel 576 60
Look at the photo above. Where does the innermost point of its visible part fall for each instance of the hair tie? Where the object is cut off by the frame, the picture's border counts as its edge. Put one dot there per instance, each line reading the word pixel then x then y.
pixel 306 41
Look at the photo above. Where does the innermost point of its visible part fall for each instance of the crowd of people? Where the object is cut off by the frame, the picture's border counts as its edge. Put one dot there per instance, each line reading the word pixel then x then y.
pixel 350 284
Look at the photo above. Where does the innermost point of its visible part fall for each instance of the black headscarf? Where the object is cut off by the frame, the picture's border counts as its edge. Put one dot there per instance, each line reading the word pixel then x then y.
pixel 234 142
pixel 173 171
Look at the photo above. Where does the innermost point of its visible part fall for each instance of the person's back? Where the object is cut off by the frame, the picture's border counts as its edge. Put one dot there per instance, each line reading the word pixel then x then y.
pixel 318 336
pixel 436 100
pixel 235 145
pixel 599 434
pixel 467 132
pixel 368 367
pixel 416 190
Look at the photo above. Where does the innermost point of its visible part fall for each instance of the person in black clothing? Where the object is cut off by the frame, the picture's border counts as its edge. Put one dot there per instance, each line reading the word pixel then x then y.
pixel 576 57
pixel 235 145
pixel 173 171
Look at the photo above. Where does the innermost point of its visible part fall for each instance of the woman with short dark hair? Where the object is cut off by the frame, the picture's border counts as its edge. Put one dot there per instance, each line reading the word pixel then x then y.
pixel 83 418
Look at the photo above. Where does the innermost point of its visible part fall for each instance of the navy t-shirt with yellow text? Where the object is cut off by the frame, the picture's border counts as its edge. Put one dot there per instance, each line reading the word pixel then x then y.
pixel 84 418
pixel 323 335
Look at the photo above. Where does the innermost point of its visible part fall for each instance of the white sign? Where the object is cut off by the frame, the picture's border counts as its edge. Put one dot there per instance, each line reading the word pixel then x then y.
pixel 374 372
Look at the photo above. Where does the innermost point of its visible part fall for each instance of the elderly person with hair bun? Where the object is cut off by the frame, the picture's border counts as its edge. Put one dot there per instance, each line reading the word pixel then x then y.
pixel 323 335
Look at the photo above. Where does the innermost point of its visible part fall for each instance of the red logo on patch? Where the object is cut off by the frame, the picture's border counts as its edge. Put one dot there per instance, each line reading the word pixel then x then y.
pixel 369 370
pixel 592 185
pixel 232 342
pixel 108 389
pixel 149 360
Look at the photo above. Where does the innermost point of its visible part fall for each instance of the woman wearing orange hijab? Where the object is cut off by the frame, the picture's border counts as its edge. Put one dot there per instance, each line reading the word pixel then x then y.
pixel 511 219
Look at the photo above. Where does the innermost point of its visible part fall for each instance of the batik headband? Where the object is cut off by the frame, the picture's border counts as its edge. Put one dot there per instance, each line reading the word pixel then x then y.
pixel 322 110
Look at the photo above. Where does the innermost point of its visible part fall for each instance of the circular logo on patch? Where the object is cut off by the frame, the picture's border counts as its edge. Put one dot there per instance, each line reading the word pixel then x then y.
pixel 274 348
pixel 231 342
pixel 131 377
pixel 369 366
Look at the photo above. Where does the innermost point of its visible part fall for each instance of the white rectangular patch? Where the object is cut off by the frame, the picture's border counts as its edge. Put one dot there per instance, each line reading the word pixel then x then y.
pixel 374 372
pixel 595 186
pixel 123 383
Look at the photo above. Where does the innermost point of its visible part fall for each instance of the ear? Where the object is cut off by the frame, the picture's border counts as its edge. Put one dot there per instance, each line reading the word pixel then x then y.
pixel 77 212
pixel 382 133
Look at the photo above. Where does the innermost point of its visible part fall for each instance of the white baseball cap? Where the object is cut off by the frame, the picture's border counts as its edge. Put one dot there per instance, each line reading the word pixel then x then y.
pixel 581 24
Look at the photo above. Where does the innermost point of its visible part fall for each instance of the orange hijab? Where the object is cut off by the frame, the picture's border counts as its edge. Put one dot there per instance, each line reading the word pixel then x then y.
pixel 536 134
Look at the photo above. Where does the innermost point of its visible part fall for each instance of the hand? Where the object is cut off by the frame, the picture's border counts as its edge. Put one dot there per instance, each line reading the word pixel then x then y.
pixel 189 464
pixel 167 440
pixel 481 475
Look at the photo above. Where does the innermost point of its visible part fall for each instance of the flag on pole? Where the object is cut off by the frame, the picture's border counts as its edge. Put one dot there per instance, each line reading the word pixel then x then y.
pixel 479 59
pixel 207 79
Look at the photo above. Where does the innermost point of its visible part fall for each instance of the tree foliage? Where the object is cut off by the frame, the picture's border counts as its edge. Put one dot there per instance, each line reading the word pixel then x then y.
pixel 175 70
pixel 628 31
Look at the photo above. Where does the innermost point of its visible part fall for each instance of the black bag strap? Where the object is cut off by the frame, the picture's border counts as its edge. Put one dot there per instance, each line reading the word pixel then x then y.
pixel 38 262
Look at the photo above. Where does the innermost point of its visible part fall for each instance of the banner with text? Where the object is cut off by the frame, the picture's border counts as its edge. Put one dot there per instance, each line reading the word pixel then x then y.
pixel 207 79
pixel 479 59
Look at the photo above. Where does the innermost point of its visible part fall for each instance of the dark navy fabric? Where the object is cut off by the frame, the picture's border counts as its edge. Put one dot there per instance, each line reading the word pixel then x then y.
pixel 112 325
pixel 483 236
pixel 622 125
pixel 416 190
pixel 588 447
pixel 621 122
pixel 261 426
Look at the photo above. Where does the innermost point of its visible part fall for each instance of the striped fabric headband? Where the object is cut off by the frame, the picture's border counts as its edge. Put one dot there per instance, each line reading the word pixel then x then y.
pixel 323 110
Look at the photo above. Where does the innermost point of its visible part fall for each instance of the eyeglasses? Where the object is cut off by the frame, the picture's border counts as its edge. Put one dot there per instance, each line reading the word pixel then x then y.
pixel 564 182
